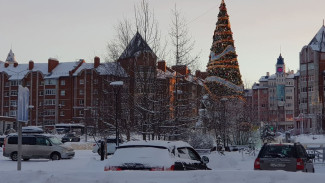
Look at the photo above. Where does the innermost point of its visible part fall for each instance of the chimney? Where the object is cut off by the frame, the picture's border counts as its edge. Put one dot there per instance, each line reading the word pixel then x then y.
pixel 181 69
pixel 15 64
pixel 267 73
pixel 198 73
pixel 52 63
pixel 162 65
pixel 31 65
pixel 6 64
pixel 96 62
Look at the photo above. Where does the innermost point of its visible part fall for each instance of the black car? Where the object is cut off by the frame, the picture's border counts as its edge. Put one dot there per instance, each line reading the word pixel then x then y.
pixel 70 137
pixel 284 156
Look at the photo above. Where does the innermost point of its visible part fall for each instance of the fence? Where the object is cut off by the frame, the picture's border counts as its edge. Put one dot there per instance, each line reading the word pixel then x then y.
pixel 318 149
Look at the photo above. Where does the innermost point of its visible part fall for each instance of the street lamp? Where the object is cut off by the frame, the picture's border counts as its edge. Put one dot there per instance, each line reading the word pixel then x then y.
pixel 117 85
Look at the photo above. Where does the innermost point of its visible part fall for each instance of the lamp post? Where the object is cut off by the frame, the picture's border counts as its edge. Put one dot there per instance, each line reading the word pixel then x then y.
pixel 117 85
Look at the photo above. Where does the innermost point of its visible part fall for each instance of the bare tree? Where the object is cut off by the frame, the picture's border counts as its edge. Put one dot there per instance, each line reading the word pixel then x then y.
pixel 182 43
pixel 145 24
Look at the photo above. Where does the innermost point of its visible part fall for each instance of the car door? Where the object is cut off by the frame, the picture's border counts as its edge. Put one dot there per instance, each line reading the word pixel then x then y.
pixel 308 163
pixel 191 160
pixel 43 147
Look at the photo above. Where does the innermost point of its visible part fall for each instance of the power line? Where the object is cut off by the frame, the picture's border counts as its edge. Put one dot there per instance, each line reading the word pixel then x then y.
pixel 193 20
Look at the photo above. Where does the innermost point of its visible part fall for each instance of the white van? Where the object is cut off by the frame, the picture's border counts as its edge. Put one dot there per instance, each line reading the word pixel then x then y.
pixel 36 146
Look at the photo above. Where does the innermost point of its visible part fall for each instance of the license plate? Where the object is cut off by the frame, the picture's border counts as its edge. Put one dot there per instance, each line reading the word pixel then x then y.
pixel 277 165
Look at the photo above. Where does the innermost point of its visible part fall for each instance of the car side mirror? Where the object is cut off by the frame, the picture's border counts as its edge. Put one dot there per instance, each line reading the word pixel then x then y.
pixel 311 156
pixel 205 159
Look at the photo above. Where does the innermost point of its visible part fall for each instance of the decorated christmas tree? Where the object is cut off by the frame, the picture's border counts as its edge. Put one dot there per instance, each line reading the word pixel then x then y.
pixel 224 76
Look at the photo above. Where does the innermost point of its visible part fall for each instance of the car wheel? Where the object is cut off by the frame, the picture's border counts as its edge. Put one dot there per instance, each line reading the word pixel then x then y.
pixel 55 156
pixel 26 159
pixel 14 156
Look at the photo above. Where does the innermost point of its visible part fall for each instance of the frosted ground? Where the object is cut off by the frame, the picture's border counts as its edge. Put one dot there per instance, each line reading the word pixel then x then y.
pixel 86 167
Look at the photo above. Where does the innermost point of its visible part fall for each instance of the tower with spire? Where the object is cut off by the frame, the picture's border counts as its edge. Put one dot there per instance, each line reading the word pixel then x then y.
pixel 224 76
pixel 11 59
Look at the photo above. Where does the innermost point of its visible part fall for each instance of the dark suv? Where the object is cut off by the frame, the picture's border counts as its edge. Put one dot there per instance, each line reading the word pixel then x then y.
pixel 70 137
pixel 284 156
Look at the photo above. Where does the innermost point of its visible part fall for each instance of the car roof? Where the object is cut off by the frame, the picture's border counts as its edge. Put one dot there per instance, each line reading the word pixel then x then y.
pixel 281 143
pixel 157 143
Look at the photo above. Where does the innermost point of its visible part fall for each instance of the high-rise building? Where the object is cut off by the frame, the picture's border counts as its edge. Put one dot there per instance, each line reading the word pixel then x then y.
pixel 311 86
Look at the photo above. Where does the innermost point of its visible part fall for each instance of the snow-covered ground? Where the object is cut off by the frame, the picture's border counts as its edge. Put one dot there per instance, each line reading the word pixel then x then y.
pixel 86 167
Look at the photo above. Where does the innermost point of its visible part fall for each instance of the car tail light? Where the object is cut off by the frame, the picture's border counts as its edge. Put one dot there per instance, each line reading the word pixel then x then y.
pixel 112 168
pixel 157 169
pixel 257 164
pixel 172 168
pixel 300 164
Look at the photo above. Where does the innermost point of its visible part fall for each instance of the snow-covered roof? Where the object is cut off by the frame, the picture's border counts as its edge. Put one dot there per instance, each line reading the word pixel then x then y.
pixel 84 66
pixel 163 75
pixel 111 68
pixel 15 73
pixel 264 78
pixel 291 76
pixel 62 69
pixel 318 42
pixel 167 144
pixel 136 46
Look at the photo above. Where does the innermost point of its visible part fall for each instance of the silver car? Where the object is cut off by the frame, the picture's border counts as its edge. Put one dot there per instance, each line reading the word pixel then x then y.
pixel 284 156
pixel 36 147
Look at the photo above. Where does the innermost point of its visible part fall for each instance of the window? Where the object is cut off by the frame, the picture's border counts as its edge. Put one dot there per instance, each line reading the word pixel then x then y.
pixel 49 112
pixel 95 81
pixel 14 83
pixel 81 81
pixel 81 102
pixel 6 94
pixel 49 102
pixel 41 93
pixel 13 103
pixel 13 93
pixel 12 113
pixel 50 92
pixel 81 113
pixel 50 82
pixel 62 93
pixel 62 113
pixel 81 92
pixel 41 83
pixel 6 84
pixel 6 104
pixel 42 141
pixel 95 91
pixel 28 83
pixel 62 82
pixel 62 103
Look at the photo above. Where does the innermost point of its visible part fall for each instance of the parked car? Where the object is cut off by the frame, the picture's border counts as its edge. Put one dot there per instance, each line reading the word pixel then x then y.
pixel 2 138
pixel 36 146
pixel 156 156
pixel 284 156
pixel 70 137
pixel 111 146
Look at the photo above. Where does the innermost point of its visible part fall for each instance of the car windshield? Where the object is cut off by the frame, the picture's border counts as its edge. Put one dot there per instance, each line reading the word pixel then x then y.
pixel 278 151
pixel 55 140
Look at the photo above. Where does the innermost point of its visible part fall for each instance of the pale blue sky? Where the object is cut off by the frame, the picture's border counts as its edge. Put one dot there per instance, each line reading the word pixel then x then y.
pixel 74 29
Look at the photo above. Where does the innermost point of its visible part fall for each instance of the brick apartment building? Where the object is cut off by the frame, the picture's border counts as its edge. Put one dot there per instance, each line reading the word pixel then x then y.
pixel 80 93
